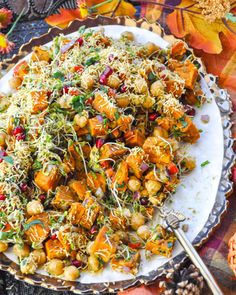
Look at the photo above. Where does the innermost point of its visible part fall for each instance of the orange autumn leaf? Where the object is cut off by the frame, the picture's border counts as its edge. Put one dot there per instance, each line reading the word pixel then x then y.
pixel 121 7
pixel 66 16
pixel 187 21
pixel 222 65
pixel 152 11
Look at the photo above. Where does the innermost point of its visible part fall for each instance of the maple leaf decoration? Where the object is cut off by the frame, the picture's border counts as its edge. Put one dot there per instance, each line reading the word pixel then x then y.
pixel 5 17
pixel 188 21
pixel 5 45
pixel 86 8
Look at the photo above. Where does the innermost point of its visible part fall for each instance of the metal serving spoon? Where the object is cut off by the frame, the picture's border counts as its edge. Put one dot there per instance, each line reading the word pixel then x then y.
pixel 173 220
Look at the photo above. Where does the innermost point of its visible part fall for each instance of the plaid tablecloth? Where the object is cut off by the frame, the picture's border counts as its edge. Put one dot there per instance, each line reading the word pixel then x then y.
pixel 215 250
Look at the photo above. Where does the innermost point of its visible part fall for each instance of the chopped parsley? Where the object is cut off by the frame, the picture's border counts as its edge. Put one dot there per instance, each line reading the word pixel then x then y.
pixel 203 164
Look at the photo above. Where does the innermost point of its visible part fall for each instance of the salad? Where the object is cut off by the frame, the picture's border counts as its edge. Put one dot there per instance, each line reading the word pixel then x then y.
pixel 92 140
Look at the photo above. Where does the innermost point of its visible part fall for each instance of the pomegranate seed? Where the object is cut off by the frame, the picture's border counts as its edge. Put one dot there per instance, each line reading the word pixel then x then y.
pixel 163 76
pixel 144 201
pixel 23 187
pixel 53 237
pixel 111 57
pixel 42 198
pixel 123 88
pixel 18 130
pixel 94 229
pixel 65 89
pixel 89 101
pixel 2 154
pixel 77 263
pixel 172 169
pixel 189 110
pixel 78 69
pixel 105 75
pixel 20 136
pixel 80 41
pixel 2 197
pixel 152 116
pixel 100 142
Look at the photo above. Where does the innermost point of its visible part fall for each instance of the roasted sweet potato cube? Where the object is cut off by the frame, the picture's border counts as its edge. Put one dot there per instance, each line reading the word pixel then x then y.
pixel 126 266
pixel 64 198
pixel 96 127
pixel 21 69
pixel 40 54
pixel 120 179
pixel 49 179
pixel 75 151
pixel 154 151
pixel 134 138
pixel 161 242
pixel 38 229
pixel 135 160
pixel 91 212
pixel 55 249
pixel 76 212
pixel 176 88
pixel 178 49
pixel 187 71
pixel 102 104
pixel 165 123
pixel 124 123
pixel 112 151
pixel 103 246
pixel 96 181
pixel 39 101
pixel 118 220
pixel 79 187
pixel 81 131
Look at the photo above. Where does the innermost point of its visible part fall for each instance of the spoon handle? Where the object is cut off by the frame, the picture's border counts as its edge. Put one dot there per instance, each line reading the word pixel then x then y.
pixel 173 220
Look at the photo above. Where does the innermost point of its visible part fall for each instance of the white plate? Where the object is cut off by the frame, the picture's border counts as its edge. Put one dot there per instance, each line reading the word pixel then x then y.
pixel 196 194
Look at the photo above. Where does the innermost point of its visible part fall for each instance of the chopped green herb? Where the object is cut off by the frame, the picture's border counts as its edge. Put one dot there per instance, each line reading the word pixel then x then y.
pixel 92 60
pixel 59 75
pixel 152 77
pixel 78 103
pixel 5 235
pixel 203 164
pixel 183 122
pixel 7 159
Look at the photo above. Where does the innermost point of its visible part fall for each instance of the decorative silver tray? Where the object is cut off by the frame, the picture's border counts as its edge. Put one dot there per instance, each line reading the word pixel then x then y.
pixel 224 189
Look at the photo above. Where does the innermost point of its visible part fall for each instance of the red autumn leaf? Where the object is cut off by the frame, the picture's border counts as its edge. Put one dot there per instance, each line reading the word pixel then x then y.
pixel 187 21
pixel 143 290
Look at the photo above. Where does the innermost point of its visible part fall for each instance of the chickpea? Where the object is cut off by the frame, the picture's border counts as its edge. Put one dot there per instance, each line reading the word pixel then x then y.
pixel 89 246
pixel 81 257
pixel 148 102
pixel 65 101
pixel 128 35
pixel 140 85
pixel 157 89
pixel 21 251
pixel 28 265
pixel 71 273
pixel 3 247
pixel 114 81
pixel 3 137
pixel 137 220
pixel 152 186
pixel 55 267
pixel 120 235
pixel 134 184
pixel 93 263
pixel 160 132
pixel 87 81
pixel 122 101
pixel 151 47
pixel 81 119
pixel 39 256
pixel 34 207
pixel 143 232
pixel 15 82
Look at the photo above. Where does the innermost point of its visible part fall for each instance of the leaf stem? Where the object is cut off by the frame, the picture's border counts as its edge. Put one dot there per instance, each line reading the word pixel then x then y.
pixel 168 6
pixel 117 6
pixel 15 22
pixel 99 4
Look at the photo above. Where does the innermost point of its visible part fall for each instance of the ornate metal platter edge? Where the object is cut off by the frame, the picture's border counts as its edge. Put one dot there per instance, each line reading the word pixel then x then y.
pixel 225 187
